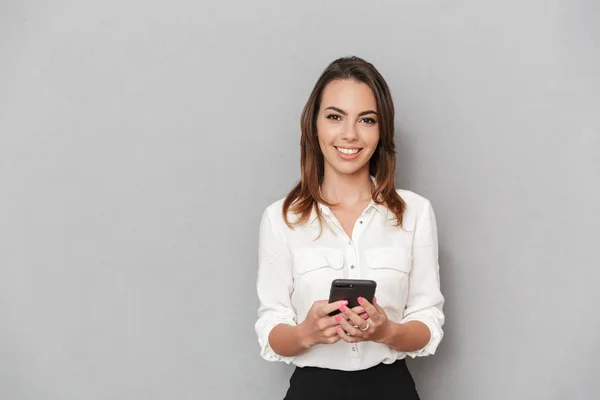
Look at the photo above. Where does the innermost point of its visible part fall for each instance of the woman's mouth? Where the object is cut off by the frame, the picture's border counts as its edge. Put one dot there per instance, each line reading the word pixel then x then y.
pixel 348 153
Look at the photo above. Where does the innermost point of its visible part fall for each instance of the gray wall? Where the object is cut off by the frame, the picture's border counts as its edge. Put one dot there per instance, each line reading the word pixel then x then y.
pixel 141 140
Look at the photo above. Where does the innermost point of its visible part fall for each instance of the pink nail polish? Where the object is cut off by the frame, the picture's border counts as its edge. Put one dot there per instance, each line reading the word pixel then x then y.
pixel 361 300
pixel 366 315
pixel 361 310
pixel 337 329
pixel 343 308
pixel 344 302
pixel 338 318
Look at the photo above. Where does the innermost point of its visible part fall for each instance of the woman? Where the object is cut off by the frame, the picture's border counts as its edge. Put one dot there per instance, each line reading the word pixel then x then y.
pixel 345 219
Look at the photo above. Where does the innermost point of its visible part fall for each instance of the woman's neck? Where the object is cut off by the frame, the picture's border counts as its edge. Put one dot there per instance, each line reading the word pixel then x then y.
pixel 346 189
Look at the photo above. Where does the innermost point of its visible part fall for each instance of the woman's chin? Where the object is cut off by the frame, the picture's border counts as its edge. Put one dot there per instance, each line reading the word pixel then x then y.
pixel 349 169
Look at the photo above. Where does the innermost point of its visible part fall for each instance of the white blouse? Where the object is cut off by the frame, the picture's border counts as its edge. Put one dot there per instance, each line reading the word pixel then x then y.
pixel 295 270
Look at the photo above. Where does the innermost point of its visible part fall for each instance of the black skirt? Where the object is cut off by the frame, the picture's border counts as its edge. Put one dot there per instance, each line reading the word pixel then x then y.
pixel 382 382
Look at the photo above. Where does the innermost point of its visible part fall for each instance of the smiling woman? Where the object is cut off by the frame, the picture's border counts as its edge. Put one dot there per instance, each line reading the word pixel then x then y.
pixel 374 232
pixel 350 111
pixel 350 135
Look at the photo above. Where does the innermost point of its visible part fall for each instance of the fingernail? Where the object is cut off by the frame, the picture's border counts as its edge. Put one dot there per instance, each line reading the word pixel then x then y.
pixel 344 302
pixel 361 309
pixel 361 300
pixel 338 318
pixel 337 329
pixel 366 315
pixel 374 299
pixel 343 308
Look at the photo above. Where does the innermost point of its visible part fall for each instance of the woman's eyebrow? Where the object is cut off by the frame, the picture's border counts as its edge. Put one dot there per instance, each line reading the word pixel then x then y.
pixel 367 112
pixel 345 113
pixel 337 109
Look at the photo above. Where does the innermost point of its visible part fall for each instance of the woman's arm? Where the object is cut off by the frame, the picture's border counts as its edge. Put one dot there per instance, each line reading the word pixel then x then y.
pixel 408 337
pixel 317 328
pixel 287 340
pixel 420 331
pixel 274 286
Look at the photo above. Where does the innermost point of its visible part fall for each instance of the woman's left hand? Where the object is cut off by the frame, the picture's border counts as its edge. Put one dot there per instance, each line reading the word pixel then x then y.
pixel 358 329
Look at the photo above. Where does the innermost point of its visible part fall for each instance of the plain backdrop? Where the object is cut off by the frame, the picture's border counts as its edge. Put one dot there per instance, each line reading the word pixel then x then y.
pixel 140 142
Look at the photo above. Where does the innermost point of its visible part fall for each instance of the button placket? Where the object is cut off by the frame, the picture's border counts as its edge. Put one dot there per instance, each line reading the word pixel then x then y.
pixel 356 234
pixel 354 351
pixel 355 273
pixel 352 260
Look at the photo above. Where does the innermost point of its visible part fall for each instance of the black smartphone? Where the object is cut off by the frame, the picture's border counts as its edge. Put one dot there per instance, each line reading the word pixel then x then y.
pixel 351 290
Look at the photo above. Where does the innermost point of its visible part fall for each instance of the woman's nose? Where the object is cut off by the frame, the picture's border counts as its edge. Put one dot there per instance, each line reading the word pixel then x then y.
pixel 350 132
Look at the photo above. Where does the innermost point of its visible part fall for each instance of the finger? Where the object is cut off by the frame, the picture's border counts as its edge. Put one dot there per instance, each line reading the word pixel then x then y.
pixel 330 336
pixel 327 322
pixel 379 309
pixel 350 329
pixel 361 311
pixel 341 314
pixel 369 308
pixel 344 336
pixel 330 332
pixel 381 314
pixel 347 325
pixel 353 317
pixel 358 309
pixel 329 307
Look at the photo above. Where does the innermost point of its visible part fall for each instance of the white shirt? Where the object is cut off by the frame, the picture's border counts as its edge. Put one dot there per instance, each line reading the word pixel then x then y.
pixel 295 270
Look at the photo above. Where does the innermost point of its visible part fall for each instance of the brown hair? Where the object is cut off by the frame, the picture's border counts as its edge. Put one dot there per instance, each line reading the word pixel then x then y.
pixel 305 196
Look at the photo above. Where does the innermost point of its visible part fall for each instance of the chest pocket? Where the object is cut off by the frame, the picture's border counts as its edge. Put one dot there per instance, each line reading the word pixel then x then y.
pixel 390 268
pixel 318 260
pixel 314 269
pixel 388 259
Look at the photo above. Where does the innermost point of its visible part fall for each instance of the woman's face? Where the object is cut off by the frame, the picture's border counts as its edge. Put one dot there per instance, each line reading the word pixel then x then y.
pixel 347 126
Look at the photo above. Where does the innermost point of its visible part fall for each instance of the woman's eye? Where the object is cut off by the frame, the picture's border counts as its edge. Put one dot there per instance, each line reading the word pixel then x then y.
pixel 369 121
pixel 334 117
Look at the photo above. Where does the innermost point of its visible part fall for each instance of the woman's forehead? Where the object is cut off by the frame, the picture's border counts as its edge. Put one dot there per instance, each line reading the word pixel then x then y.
pixel 348 95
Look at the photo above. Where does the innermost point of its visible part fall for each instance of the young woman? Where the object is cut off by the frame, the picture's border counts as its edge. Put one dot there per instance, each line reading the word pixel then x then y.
pixel 345 219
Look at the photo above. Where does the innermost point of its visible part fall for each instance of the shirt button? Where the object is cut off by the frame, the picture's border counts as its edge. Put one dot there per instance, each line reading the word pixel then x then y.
pixel 350 242
pixel 360 222
pixel 352 267
pixel 353 348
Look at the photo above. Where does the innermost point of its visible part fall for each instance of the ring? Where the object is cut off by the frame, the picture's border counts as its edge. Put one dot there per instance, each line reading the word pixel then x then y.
pixel 366 327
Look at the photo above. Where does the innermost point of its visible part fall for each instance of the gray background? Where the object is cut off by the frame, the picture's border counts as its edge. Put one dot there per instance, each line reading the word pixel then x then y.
pixel 141 141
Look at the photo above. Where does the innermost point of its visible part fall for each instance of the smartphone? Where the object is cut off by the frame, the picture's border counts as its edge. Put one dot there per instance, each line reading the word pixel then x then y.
pixel 351 290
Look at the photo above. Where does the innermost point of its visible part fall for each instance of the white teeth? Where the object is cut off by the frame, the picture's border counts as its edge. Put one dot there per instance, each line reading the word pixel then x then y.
pixel 347 151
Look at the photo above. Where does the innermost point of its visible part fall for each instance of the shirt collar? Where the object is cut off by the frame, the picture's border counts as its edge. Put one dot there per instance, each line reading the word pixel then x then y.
pixel 382 209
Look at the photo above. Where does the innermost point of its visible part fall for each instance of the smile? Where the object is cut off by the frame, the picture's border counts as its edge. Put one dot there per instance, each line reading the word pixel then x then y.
pixel 347 152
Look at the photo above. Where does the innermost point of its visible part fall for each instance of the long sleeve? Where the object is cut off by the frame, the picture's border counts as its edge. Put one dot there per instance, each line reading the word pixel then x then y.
pixel 425 300
pixel 274 287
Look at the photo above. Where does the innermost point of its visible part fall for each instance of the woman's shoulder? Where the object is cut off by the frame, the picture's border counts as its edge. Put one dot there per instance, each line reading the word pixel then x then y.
pixel 275 208
pixel 273 216
pixel 414 202
pixel 274 212
pixel 411 197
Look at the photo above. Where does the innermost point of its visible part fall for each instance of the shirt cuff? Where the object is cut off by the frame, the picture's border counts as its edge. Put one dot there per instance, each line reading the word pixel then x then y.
pixel 433 319
pixel 266 352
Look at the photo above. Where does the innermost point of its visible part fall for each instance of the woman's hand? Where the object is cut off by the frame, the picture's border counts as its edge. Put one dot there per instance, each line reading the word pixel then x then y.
pixel 362 324
pixel 319 327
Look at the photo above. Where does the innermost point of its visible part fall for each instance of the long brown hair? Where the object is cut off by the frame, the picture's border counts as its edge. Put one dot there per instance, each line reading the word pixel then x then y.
pixel 306 195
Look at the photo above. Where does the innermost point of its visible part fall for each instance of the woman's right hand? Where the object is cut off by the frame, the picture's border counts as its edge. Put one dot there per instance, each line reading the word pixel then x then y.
pixel 319 326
